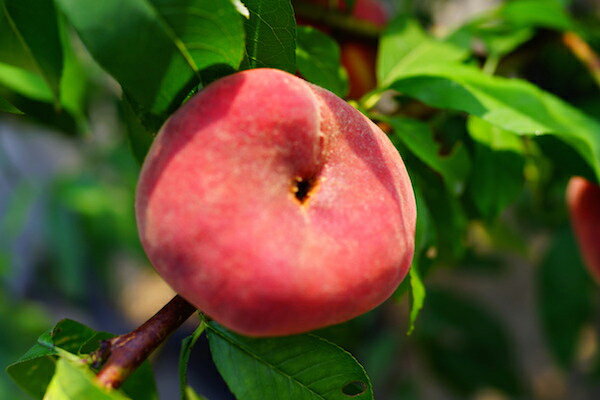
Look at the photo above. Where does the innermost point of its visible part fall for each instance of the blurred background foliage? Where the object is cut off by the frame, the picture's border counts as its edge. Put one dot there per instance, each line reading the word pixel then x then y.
pixel 508 309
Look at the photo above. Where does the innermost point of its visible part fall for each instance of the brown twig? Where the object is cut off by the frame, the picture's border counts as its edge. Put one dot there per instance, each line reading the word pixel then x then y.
pixel 584 53
pixel 336 20
pixel 125 353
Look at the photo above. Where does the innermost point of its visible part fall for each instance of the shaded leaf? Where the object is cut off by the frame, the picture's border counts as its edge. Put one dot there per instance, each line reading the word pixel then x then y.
pixel 564 295
pixel 35 24
pixel 294 367
pixel 184 357
pixel 466 346
pixel 181 39
pixel 5 106
pixel 418 138
pixel 270 35
pixel 318 58
pixel 498 178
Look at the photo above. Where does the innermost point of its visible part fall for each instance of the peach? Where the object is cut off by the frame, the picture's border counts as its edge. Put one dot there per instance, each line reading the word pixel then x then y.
pixel 275 207
pixel 583 200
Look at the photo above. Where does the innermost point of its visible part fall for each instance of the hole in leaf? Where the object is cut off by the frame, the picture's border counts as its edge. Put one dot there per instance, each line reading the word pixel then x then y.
pixel 354 388
pixel 302 187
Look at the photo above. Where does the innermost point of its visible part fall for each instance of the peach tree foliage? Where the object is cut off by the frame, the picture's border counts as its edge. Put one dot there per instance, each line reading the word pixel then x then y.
pixel 478 141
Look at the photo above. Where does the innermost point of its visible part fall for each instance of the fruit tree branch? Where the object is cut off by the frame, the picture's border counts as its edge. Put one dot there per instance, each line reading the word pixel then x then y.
pixel 584 53
pixel 337 21
pixel 126 352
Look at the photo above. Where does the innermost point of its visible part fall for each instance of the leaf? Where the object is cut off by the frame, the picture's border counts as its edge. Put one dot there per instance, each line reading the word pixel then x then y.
pixel 540 13
pixel 564 295
pixel 466 346
pixel 35 24
pixel 158 49
pixel 69 339
pixel 140 137
pixel 184 357
pixel 498 177
pixel 72 382
pixel 418 138
pixel 34 370
pixel 405 48
pixel 141 384
pixel 5 106
pixel 24 82
pixel 417 295
pixel 270 35
pixel 318 59
pixel 28 93
pixel 294 367
pixel 510 104
pixel 499 37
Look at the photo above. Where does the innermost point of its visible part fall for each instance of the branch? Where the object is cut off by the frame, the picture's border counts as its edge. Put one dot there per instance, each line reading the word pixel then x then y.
pixel 126 352
pixel 584 53
pixel 337 21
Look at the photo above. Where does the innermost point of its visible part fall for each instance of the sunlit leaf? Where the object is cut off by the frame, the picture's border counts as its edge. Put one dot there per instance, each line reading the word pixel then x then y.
pixel 510 104
pixel 293 367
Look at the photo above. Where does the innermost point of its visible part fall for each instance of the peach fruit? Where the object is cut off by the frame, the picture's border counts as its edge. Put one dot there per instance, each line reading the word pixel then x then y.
pixel 583 200
pixel 275 207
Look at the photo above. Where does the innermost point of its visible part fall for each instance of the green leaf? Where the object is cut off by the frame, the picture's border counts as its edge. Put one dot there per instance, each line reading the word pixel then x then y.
pixel 418 138
pixel 318 58
pixel 192 395
pixel 294 367
pixel 140 137
pixel 270 35
pixel 27 92
pixel 510 104
pixel 5 106
pixel 24 82
pixel 466 346
pixel 158 49
pixel 184 357
pixel 34 370
pixel 417 291
pixel 540 13
pixel 564 294
pixel 68 340
pixel 35 24
pixel 75 381
pixel 141 384
pixel 406 48
pixel 498 178
pixel 499 37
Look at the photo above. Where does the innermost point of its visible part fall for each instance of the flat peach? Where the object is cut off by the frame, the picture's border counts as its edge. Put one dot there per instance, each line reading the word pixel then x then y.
pixel 275 207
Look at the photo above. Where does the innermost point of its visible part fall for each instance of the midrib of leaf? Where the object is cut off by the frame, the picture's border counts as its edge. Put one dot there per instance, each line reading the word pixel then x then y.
pixel 410 56
pixel 256 33
pixel 458 77
pixel 176 40
pixel 46 78
pixel 259 359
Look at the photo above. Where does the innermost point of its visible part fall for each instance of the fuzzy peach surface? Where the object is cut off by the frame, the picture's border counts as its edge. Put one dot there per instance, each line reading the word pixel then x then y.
pixel 220 220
